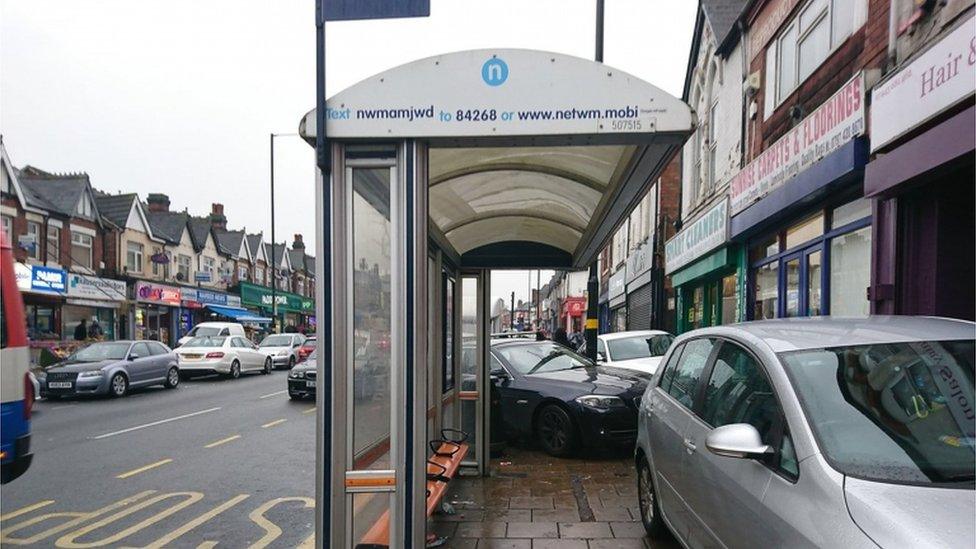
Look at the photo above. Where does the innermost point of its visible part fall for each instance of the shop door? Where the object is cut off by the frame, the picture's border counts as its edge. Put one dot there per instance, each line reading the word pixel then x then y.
pixel 801 283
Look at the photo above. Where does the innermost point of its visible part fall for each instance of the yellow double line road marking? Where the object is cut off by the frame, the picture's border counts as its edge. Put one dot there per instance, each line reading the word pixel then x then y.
pixel 273 423
pixel 216 443
pixel 144 468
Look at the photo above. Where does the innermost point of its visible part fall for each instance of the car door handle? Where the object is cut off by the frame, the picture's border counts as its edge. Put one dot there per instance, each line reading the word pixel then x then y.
pixel 689 446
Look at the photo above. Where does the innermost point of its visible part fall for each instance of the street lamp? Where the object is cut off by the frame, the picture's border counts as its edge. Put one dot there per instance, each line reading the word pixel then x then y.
pixel 274 266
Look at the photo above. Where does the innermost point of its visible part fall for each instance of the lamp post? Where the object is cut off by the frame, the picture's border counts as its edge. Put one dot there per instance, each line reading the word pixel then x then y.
pixel 274 266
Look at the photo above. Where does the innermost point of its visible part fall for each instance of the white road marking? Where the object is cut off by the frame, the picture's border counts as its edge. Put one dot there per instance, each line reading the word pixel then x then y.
pixel 62 407
pixel 154 423
pixel 269 395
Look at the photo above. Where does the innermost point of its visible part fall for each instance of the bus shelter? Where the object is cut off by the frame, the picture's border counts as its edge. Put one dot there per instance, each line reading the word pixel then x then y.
pixel 443 169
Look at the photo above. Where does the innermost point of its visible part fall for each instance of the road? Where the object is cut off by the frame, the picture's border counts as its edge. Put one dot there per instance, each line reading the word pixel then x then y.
pixel 214 460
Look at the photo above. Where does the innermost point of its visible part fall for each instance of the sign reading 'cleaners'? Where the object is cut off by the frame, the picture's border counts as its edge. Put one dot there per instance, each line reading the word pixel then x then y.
pixel 700 237
pixel 501 92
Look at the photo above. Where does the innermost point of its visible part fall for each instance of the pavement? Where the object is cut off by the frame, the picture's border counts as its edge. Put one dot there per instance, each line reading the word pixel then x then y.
pixel 212 461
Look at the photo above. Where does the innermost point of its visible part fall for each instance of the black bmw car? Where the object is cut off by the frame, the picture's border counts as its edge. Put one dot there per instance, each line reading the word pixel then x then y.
pixel 551 394
pixel 301 378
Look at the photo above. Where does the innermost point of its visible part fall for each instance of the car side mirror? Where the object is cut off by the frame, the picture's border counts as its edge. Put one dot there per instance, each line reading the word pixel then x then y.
pixel 601 356
pixel 133 356
pixel 499 375
pixel 738 440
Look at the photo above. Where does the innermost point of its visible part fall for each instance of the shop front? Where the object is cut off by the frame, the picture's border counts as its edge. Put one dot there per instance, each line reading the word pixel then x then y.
pixel 705 271
pixel 639 289
pixel 604 310
pixel 94 299
pixel 572 313
pixel 617 300
pixel 156 313
pixel 799 212
pixel 921 182
pixel 43 290
pixel 294 312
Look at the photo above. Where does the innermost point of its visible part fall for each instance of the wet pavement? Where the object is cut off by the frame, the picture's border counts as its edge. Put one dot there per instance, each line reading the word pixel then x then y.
pixel 536 501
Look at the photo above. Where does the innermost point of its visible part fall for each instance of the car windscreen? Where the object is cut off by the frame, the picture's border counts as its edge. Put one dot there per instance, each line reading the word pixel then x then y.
pixel 200 331
pixel 206 341
pixel 276 341
pixel 896 412
pixel 96 352
pixel 627 348
pixel 537 358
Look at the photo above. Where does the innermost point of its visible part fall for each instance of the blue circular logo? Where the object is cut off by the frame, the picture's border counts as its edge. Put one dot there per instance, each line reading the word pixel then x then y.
pixel 494 72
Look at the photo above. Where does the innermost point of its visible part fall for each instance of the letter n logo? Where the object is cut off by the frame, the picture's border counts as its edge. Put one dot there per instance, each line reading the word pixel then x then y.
pixel 494 72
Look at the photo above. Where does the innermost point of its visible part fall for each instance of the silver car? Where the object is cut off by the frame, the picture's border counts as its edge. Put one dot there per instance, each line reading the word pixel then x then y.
pixel 282 348
pixel 817 432
pixel 112 368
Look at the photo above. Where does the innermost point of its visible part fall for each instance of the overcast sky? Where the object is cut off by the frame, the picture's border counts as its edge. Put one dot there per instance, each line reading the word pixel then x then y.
pixel 179 96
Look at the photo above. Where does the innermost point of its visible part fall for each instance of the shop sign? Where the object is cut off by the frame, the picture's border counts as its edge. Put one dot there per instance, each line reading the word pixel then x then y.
pixel 618 283
pixel 160 258
pixel 935 81
pixel 200 297
pixel 93 287
pixel 638 262
pixel 35 278
pixel 501 92
pixel 697 239
pixel 574 306
pixel 155 293
pixel 202 276
pixel 837 121
pixel 260 296
pixel 28 243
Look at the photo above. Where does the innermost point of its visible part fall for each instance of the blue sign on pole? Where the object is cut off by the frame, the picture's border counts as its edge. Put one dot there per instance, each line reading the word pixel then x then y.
pixel 348 10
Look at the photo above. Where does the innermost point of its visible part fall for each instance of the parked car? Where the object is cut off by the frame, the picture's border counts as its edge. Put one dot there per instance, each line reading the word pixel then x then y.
pixel 302 378
pixel 307 348
pixel 816 432
pixel 551 394
pixel 638 350
pixel 213 329
pixel 111 368
pixel 227 355
pixel 282 348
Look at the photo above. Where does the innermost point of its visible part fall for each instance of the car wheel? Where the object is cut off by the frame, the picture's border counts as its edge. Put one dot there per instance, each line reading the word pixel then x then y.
pixel 119 385
pixel 294 396
pixel 650 513
pixel 172 378
pixel 235 370
pixel 556 431
pixel 291 362
pixel 268 365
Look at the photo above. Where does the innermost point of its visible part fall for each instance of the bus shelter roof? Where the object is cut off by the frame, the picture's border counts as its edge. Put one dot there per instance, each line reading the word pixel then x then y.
pixel 535 157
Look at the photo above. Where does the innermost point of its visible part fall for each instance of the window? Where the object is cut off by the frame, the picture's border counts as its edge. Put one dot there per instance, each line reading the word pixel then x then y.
pixel 34 231
pixel 767 291
pixel 53 252
pixel 8 227
pixel 84 207
pixel 738 392
pixel 730 299
pixel 141 349
pixel 183 267
pixel 850 273
pixel 855 210
pixel 156 250
pixel 81 250
pixel 133 257
pixel 684 385
pixel 157 348
pixel 208 266
pixel 822 26
pixel 259 275
pixel 242 273
pixel 669 367
pixel 805 231
pixel 710 149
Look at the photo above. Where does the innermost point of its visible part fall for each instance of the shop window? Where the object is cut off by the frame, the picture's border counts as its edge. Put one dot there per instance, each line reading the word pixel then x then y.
pixel 792 268
pixel 40 322
pixel 730 299
pixel 767 291
pixel 696 310
pixel 53 252
pixel 850 273
pixel 133 257
pixel 814 282
pixel 81 250
pixel 805 231
pixel 765 248
pixel 855 210
pixel 34 232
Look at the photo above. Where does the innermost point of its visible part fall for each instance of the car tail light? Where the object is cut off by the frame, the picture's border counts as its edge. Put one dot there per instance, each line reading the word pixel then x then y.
pixel 28 396
pixel 215 355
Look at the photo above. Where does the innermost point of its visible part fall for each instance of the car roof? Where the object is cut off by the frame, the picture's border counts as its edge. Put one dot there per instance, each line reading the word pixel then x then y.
pixel 633 333
pixel 795 334
pixel 506 341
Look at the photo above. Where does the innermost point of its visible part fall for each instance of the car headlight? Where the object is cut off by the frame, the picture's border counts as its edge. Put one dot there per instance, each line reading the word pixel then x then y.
pixel 601 402
pixel 91 373
pixel 296 375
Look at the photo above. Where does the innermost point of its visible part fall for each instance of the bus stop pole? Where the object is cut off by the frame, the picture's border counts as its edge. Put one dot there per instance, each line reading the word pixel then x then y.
pixel 593 282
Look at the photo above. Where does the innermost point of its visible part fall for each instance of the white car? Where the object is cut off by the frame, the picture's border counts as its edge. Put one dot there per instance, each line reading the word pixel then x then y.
pixel 282 348
pixel 639 350
pixel 227 355
pixel 214 329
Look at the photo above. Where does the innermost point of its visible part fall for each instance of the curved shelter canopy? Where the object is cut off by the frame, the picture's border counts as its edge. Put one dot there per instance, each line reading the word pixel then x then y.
pixel 534 157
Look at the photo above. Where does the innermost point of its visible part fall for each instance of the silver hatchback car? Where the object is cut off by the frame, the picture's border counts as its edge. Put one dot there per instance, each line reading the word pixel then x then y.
pixel 816 432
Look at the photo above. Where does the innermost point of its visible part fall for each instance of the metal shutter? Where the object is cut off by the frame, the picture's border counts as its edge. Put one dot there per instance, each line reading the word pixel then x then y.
pixel 639 308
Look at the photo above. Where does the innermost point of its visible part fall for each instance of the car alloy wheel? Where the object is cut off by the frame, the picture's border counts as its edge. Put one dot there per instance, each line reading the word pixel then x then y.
pixel 291 362
pixel 267 366
pixel 172 378
pixel 119 385
pixel 235 370
pixel 650 515
pixel 556 431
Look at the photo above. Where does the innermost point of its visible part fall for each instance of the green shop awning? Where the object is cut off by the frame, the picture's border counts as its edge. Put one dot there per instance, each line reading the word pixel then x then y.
pixel 715 261
pixel 260 296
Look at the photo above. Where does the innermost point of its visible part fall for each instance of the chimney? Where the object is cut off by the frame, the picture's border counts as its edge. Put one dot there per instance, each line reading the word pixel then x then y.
pixel 158 202
pixel 298 244
pixel 217 219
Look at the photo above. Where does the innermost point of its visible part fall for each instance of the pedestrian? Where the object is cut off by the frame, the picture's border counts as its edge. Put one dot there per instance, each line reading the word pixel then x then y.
pixel 95 330
pixel 81 330
pixel 559 336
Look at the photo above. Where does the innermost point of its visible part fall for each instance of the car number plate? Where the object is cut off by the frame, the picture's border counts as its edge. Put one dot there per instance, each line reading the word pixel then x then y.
pixel 310 384
pixel 59 385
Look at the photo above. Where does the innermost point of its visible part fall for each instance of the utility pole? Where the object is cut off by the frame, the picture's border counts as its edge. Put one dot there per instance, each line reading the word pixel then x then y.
pixel 274 266
pixel 511 317
pixel 593 283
